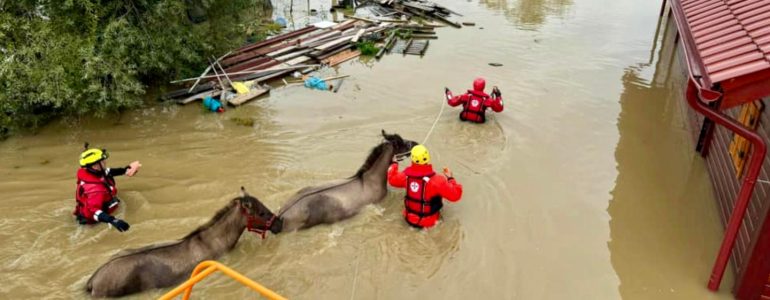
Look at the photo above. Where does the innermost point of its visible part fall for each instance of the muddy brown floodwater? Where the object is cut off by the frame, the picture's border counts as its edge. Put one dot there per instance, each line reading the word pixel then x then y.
pixel 585 187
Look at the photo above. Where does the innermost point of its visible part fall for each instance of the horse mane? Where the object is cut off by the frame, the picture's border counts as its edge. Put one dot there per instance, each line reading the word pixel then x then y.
pixel 373 156
pixel 218 216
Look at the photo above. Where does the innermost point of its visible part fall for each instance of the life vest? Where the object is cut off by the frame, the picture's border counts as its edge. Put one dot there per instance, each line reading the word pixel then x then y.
pixel 473 109
pixel 415 201
pixel 94 190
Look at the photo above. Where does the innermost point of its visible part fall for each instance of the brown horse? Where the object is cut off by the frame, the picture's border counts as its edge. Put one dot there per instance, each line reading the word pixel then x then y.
pixel 165 265
pixel 335 201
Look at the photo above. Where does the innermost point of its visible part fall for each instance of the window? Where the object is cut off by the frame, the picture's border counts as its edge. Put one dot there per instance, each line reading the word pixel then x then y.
pixel 740 147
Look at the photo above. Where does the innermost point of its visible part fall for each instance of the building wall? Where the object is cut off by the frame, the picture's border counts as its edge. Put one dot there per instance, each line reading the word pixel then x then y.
pixel 720 166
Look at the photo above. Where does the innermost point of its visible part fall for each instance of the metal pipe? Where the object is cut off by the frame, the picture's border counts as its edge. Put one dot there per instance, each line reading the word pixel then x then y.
pixel 749 180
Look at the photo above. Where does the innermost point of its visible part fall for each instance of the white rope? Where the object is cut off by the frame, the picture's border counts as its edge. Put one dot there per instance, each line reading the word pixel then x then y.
pixel 438 117
pixel 434 122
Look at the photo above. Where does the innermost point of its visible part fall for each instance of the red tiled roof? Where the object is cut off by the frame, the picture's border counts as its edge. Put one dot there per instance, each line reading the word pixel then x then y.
pixel 727 38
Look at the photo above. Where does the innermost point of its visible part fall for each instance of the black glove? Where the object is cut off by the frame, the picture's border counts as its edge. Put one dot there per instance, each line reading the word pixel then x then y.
pixel 120 225
pixel 496 92
pixel 446 90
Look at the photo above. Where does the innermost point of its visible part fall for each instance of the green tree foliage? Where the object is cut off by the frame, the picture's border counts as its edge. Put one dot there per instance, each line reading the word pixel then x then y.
pixel 79 57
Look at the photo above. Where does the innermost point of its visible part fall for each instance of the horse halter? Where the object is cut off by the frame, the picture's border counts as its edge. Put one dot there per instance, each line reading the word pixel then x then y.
pixel 401 156
pixel 252 222
pixel 398 156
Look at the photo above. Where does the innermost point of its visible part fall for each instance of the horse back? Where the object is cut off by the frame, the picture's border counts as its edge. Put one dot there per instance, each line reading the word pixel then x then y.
pixel 146 268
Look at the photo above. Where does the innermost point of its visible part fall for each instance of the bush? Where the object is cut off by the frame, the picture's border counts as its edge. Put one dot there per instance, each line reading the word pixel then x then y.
pixel 90 57
pixel 367 48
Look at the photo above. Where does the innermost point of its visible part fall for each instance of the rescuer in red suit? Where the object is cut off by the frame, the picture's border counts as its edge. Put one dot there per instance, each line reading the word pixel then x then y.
pixel 96 194
pixel 475 102
pixel 424 188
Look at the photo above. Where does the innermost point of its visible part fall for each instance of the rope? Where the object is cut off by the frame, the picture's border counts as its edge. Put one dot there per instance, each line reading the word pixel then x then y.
pixel 430 131
pixel 434 122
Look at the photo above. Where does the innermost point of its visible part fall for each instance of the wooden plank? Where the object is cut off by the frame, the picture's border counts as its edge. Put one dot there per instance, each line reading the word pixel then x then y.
pixel 184 92
pixel 343 24
pixel 388 42
pixel 423 8
pixel 200 96
pixel 445 20
pixel 358 35
pixel 282 51
pixel 292 55
pixel 361 19
pixel 343 57
pixel 241 99
pixel 332 52
pixel 245 65
pixel 251 54
pixel 334 43
pixel 321 37
pixel 275 39
pixel 297 61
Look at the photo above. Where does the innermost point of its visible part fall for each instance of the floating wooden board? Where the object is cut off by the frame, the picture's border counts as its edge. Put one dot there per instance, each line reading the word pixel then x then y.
pixel 241 99
pixel 200 96
pixel 342 57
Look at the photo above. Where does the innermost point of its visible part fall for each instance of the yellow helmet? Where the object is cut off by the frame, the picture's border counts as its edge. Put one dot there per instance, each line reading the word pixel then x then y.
pixel 92 156
pixel 420 155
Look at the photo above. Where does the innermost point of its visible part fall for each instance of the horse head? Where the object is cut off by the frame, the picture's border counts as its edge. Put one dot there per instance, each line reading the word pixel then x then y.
pixel 401 146
pixel 259 218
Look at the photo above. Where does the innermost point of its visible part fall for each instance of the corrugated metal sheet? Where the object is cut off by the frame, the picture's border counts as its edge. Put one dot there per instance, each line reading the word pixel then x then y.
pixel 731 37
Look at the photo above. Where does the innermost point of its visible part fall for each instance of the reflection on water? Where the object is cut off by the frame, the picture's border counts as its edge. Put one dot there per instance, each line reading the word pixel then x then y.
pixel 665 230
pixel 529 14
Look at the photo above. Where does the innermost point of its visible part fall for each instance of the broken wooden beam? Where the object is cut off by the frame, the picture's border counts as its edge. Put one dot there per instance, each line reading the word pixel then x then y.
pixel 358 35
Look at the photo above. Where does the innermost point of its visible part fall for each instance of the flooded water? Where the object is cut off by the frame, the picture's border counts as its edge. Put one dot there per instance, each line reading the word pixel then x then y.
pixel 585 187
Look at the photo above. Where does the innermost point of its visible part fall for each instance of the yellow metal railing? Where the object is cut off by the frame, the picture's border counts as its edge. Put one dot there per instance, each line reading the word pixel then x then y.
pixel 204 269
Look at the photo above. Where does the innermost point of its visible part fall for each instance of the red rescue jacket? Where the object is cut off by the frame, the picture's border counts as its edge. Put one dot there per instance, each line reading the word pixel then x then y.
pixel 424 192
pixel 475 104
pixel 94 192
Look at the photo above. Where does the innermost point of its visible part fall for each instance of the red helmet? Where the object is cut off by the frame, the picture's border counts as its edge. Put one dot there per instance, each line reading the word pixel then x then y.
pixel 478 84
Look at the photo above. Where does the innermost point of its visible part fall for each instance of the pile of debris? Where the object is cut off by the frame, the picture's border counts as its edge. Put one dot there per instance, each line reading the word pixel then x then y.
pixel 402 27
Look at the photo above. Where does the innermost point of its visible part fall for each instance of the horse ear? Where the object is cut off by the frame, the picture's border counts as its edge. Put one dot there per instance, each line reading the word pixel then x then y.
pixel 383 133
pixel 243 192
